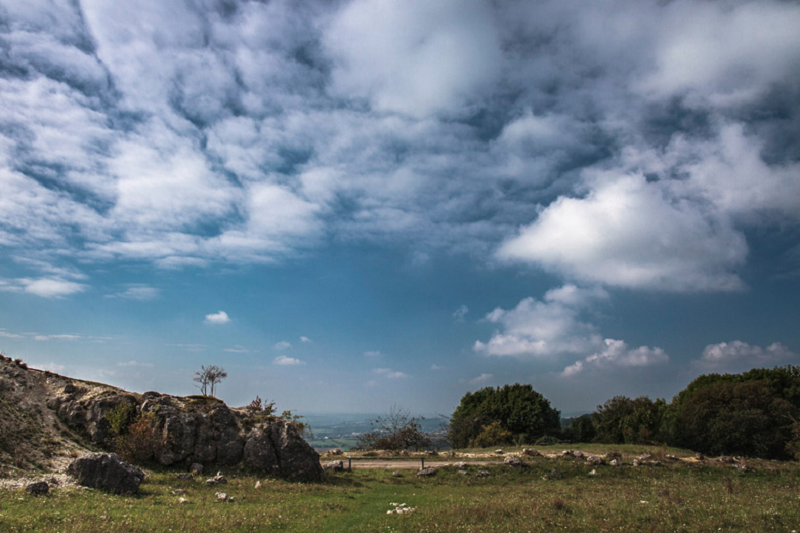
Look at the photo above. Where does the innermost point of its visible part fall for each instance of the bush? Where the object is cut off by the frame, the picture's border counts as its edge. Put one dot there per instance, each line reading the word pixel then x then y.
pixel 397 430
pixel 622 420
pixel 142 440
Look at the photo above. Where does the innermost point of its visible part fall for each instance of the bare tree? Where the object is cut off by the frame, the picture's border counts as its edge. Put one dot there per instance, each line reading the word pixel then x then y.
pixel 208 377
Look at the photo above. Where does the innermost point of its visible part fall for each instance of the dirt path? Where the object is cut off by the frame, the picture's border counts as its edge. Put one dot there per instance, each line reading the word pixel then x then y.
pixel 399 464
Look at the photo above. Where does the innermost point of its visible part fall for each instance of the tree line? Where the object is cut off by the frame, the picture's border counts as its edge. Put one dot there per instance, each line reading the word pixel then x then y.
pixel 755 414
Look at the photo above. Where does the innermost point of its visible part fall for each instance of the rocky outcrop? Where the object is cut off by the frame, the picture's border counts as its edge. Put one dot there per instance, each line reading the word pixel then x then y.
pixel 278 449
pixel 107 472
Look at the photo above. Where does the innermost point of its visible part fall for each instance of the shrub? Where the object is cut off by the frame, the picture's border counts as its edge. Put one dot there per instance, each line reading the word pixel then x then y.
pixel 397 430
pixel 492 435
pixel 142 440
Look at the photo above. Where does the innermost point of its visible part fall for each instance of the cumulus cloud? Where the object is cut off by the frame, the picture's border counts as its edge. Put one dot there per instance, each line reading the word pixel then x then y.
pixel 615 354
pixel 545 328
pixel 629 233
pixel 283 360
pixel 737 356
pixel 305 339
pixel 43 287
pixel 282 345
pixel 217 318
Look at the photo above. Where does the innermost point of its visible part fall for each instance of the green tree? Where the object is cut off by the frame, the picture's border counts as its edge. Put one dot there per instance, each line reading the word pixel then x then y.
pixel 579 429
pixel 208 378
pixel 632 421
pixel 520 410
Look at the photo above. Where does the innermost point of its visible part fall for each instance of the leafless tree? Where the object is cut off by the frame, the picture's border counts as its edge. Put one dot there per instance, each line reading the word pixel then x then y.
pixel 208 377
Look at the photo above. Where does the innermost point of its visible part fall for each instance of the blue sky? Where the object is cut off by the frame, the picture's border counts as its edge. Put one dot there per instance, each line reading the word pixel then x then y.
pixel 356 204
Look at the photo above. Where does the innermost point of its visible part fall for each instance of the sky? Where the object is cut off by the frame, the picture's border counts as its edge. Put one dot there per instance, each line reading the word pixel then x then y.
pixel 351 205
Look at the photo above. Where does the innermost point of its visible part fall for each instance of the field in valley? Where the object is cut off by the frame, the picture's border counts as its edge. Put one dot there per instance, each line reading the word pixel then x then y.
pixel 684 495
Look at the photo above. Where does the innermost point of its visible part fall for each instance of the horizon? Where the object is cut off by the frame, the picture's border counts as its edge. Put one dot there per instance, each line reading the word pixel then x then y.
pixel 364 203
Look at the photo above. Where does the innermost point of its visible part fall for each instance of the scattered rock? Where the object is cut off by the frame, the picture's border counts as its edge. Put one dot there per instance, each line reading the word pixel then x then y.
pixel 182 500
pixel 615 462
pixel 499 452
pixel 645 457
pixel 258 485
pixel 427 471
pixel 726 459
pixel 673 457
pixel 578 454
pixel 463 473
pixel 179 492
pixel 460 464
pixel 396 474
pixel 530 452
pixel 196 469
pixel 636 462
pixel 40 488
pixel 185 477
pixel 335 466
pixel 743 467
pixel 482 473
pixel 593 472
pixel 613 455
pixel 594 460
pixel 567 453
pixel 432 453
pixel 699 456
pixel 106 472
pixel 514 461
pixel 335 451
pixel 219 479
pixel 221 496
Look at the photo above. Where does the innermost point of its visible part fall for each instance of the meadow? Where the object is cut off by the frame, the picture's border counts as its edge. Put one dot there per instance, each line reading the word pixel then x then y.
pixel 682 496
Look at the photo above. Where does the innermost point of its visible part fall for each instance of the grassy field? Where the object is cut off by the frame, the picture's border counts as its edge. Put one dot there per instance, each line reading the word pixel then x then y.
pixel 684 496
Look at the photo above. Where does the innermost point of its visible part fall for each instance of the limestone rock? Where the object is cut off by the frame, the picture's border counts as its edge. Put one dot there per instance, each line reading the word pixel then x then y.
pixel 39 488
pixel 334 466
pixel 514 461
pixel 106 472
pixel 425 472
pixel 277 448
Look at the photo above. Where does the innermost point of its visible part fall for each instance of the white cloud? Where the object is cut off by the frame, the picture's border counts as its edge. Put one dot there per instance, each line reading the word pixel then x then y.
pixel 460 313
pixel 283 360
pixel 282 345
pixel 482 379
pixel 6 335
pixel 628 232
pixel 220 317
pixel 137 292
pixel 305 339
pixel 237 349
pixel 614 355
pixel 390 374
pixel 545 328
pixel 737 356
pixel 414 56
pixel 62 337
pixel 373 353
pixel 134 363
pixel 43 287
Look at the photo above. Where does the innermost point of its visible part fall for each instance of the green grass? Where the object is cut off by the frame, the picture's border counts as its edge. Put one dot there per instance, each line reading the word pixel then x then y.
pixel 677 497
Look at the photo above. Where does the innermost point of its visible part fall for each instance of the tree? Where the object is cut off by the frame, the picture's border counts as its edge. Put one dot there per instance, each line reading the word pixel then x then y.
pixel 631 421
pixel 397 430
pixel 518 409
pixel 209 377
pixel 579 429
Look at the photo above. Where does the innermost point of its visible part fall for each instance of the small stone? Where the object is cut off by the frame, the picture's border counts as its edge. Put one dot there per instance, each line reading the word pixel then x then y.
pixel 219 479
pixel 593 472
pixel 699 456
pixel 636 462
pixel 425 472
pixel 178 492
pixel 594 460
pixel 499 451
pixel 482 473
pixel 726 459
pixel 578 454
pixel 396 474
pixel 530 452
pixel 258 484
pixel 460 464
pixel 645 457
pixel 39 488
pixel 335 466
pixel 182 500
pixel 514 461
pixel 221 496
pixel 615 462
pixel 335 451
pixel 463 473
